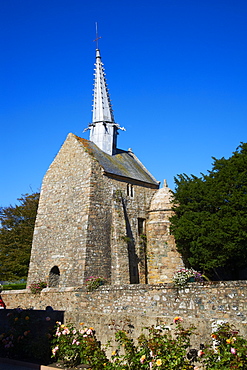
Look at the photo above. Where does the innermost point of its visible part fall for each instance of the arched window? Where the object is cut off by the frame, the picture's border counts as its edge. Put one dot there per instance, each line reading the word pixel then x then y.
pixel 54 277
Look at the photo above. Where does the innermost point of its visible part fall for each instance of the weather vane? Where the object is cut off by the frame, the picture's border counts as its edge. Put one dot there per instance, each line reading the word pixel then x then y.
pixel 97 37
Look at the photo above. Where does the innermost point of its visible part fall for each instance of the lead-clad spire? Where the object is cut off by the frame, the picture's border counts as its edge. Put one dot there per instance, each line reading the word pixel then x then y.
pixel 103 129
pixel 102 108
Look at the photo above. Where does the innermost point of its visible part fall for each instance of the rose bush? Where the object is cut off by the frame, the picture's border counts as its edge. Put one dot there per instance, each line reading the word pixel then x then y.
pixel 72 346
pixel 229 350
pixel 36 287
pixel 161 347
pixel 156 348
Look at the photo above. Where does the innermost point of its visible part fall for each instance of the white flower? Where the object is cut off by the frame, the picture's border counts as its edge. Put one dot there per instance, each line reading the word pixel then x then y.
pixel 54 350
pixel 158 327
pixel 181 277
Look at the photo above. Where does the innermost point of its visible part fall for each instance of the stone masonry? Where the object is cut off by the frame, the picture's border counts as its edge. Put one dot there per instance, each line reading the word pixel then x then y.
pixel 101 212
pixel 91 221
pixel 162 256
pixel 132 307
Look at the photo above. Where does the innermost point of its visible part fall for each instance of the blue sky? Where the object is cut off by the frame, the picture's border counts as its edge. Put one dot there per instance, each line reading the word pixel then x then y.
pixel 176 71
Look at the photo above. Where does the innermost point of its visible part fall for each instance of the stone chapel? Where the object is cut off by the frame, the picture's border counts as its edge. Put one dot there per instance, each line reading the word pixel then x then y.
pixel 101 212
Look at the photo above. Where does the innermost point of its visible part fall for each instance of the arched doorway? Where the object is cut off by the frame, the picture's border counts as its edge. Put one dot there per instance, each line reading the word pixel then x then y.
pixel 54 276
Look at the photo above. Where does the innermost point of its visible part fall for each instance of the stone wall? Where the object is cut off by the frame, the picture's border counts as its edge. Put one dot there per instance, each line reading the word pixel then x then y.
pixel 129 215
pixel 62 218
pixel 132 307
pixel 88 223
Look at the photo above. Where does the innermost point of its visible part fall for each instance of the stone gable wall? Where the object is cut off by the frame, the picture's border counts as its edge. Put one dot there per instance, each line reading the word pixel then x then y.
pixel 131 307
pixel 62 218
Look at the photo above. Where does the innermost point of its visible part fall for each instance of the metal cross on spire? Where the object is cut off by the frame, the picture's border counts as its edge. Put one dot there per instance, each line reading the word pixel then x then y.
pixel 97 36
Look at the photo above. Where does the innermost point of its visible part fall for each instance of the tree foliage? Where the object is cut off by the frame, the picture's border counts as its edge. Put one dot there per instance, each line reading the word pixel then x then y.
pixel 210 221
pixel 16 233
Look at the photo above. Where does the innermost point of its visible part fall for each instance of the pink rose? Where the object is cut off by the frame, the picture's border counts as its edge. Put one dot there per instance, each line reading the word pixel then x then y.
pixel 233 351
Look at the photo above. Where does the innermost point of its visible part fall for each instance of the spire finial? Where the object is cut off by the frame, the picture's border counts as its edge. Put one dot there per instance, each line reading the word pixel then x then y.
pixel 97 37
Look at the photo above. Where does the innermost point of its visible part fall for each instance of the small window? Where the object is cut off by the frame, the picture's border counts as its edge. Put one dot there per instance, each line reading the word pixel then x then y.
pixel 141 226
pixel 54 276
pixel 130 190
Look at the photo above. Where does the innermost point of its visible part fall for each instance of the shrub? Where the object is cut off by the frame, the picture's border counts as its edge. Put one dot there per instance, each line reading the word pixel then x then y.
pixel 157 349
pixel 72 347
pixel 13 286
pixel 229 350
pixel 93 282
pixel 37 287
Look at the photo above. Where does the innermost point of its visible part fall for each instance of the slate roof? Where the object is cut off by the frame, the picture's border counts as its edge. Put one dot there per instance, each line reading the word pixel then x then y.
pixel 124 163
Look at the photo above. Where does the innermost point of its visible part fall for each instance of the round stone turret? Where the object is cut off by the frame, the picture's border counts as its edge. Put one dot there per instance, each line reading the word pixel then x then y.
pixel 162 257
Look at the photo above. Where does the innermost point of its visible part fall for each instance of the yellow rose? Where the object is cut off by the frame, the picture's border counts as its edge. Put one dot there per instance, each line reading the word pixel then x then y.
pixel 159 362
pixel 142 359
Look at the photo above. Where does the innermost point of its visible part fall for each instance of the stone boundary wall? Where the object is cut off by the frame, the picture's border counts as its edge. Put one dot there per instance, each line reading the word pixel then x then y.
pixel 131 307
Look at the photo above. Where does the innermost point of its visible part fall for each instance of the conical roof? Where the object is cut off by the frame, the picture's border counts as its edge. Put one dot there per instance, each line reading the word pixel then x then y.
pixel 162 199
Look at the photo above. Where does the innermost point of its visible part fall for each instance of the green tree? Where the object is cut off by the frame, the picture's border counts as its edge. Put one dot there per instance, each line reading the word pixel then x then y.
pixel 16 233
pixel 210 221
